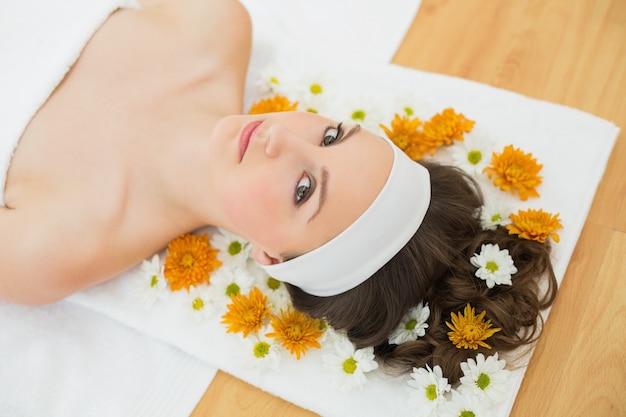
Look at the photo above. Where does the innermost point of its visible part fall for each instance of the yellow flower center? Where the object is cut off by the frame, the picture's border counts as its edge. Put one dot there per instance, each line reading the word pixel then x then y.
pixel 273 283
pixel 349 365
pixel 187 260
pixel 474 156
pixel 294 333
pixel 431 392
pixel 483 381
pixel 408 111
pixel 316 89
pixel 234 248
pixel 261 349
pixel 410 325
pixel 274 80
pixel 197 304
pixel 496 218
pixel 154 281
pixel 491 266
pixel 358 115
pixel 467 413
pixel 232 289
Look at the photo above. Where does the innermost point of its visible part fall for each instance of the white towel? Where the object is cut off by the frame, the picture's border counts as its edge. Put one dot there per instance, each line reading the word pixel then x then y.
pixel 39 42
pixel 63 360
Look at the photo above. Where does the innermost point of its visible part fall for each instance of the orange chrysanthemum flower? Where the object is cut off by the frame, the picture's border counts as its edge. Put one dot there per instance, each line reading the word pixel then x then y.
pixel 296 331
pixel 470 331
pixel 445 127
pixel 277 103
pixel 246 314
pixel 535 225
pixel 404 132
pixel 190 261
pixel 515 170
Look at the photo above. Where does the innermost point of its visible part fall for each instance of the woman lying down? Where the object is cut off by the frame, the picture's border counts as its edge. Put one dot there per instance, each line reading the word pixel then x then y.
pixel 146 139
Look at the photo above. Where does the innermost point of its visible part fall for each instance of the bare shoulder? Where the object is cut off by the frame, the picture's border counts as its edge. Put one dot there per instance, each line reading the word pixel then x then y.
pixel 223 18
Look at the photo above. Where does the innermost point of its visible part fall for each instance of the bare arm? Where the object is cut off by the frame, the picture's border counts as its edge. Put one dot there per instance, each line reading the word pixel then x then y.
pixel 42 259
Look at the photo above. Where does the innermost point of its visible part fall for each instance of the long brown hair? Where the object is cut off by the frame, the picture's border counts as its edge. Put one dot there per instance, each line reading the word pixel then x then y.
pixel 434 267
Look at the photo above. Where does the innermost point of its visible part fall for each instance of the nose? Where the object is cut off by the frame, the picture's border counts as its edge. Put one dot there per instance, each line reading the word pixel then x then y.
pixel 280 140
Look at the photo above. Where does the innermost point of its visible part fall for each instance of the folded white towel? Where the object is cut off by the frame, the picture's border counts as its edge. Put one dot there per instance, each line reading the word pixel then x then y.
pixel 63 360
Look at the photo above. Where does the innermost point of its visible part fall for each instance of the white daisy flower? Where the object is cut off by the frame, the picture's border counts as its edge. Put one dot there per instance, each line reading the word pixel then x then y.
pixel 229 281
pixel 427 389
pixel 494 214
pixel 261 352
pixel 368 115
pixel 495 266
pixel 277 294
pixel 485 378
pixel 316 94
pixel 151 283
pixel 413 105
pixel 233 250
pixel 474 153
pixel 347 366
pixel 274 80
pixel 198 302
pixel 463 405
pixel 412 326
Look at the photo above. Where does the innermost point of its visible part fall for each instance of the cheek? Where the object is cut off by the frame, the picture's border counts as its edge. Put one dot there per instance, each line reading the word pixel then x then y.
pixel 253 209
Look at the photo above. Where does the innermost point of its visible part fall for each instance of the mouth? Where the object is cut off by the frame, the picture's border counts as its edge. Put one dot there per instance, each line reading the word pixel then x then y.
pixel 246 136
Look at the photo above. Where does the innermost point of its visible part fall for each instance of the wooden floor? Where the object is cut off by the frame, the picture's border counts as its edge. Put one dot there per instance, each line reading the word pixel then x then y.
pixel 571 52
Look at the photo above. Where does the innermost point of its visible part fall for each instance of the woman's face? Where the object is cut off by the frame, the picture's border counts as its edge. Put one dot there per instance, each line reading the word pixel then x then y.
pixel 290 182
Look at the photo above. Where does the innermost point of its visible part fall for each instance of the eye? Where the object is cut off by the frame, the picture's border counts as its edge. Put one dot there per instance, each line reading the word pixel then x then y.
pixel 331 134
pixel 303 188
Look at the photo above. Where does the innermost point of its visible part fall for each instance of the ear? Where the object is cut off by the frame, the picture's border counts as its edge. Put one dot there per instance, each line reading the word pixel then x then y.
pixel 262 257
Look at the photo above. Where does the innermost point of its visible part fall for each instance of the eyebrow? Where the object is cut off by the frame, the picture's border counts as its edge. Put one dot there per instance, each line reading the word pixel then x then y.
pixel 324 176
pixel 322 193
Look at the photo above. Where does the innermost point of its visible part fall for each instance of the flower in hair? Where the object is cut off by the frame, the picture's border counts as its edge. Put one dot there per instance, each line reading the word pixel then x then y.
pixel 535 225
pixel 412 326
pixel 427 389
pixel 469 330
pixel 190 261
pixel 296 331
pixel 515 171
pixel 347 365
pixel 246 313
pixel 485 378
pixel 495 266
pixel 494 214
pixel 273 104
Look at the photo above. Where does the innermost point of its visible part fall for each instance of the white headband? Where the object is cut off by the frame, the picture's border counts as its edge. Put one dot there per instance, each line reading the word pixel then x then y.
pixel 371 241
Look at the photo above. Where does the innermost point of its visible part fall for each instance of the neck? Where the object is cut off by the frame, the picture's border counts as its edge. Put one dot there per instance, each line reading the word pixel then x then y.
pixel 177 177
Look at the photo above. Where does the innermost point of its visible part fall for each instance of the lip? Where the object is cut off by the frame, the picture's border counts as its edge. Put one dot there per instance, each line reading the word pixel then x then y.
pixel 246 136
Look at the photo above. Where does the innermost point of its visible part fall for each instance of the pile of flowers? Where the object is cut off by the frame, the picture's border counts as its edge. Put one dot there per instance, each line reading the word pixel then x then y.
pixel 215 277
